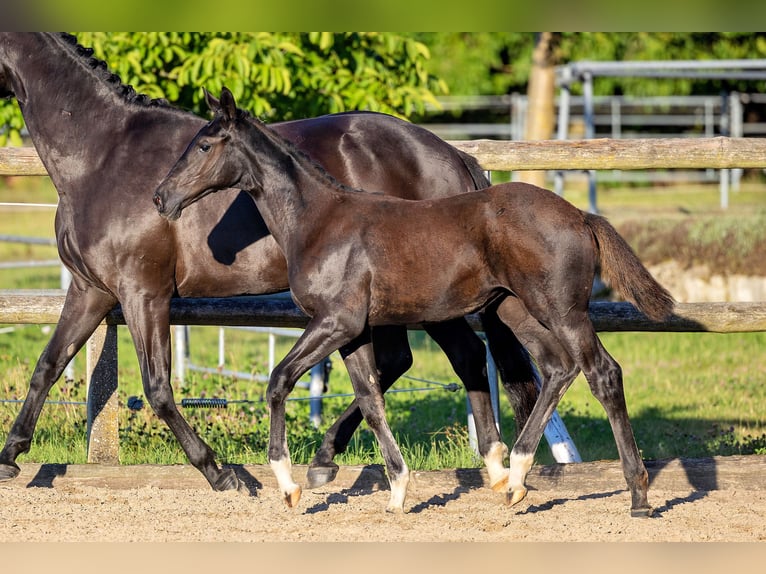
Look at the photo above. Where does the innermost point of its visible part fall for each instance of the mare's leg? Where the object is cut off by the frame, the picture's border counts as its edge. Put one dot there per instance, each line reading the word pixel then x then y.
pixel 517 372
pixel 83 310
pixel 393 358
pixel 359 358
pixel 468 358
pixel 148 319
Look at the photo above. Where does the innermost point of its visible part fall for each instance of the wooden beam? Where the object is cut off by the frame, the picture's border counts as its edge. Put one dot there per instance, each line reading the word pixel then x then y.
pixel 18 307
pixel 713 473
pixel 604 153
pixel 502 155
pixel 20 161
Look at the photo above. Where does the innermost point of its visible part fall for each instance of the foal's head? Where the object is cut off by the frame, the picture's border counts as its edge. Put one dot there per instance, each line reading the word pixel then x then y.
pixel 208 164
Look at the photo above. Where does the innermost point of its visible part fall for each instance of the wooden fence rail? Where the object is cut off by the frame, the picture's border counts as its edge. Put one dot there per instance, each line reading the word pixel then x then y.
pixel 101 371
pixel 604 153
pixel 44 307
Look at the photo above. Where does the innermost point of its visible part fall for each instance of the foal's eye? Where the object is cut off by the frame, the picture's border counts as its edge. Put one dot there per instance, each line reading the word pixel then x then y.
pixel 204 147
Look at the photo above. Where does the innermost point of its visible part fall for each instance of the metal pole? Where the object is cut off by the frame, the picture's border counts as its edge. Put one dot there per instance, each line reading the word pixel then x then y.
pixel 316 390
pixel 182 352
pixel 724 175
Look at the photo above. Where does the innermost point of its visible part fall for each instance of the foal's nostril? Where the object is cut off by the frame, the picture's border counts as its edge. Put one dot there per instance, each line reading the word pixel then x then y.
pixel 157 201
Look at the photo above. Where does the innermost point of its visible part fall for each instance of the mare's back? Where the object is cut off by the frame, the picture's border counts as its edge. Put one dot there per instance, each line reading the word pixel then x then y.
pixel 383 154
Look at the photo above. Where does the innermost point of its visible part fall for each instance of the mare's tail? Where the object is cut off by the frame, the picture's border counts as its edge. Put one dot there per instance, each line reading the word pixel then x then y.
pixel 621 268
pixel 480 179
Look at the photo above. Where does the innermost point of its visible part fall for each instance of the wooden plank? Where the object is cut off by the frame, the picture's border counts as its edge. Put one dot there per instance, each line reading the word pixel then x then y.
pixel 103 427
pixel 17 307
pixel 20 161
pixel 502 155
pixel 606 153
pixel 31 306
pixel 724 317
pixel 713 473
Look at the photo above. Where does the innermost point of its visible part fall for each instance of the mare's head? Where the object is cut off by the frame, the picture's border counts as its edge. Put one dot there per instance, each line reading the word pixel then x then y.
pixel 209 163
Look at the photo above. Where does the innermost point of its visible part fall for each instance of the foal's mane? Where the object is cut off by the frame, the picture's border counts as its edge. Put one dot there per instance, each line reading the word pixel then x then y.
pixel 102 73
pixel 289 148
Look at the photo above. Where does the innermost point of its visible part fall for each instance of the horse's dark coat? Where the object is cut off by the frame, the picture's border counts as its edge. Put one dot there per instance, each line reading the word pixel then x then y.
pixel 106 148
pixel 521 249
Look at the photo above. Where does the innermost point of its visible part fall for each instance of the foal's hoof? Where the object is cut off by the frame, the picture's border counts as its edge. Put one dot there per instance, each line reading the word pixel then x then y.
pixel 515 496
pixel 641 512
pixel 293 496
pixel 227 481
pixel 501 485
pixel 9 471
pixel 320 475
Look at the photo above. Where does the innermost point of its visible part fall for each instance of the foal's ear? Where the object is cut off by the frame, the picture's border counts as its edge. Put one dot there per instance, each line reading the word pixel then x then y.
pixel 228 106
pixel 213 103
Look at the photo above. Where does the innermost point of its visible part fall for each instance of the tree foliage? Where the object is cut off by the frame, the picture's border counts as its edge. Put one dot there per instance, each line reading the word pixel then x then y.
pixel 281 76
pixel 500 62
pixel 276 76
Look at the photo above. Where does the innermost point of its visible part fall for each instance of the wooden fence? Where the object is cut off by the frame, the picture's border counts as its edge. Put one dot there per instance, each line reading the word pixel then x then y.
pixel 44 307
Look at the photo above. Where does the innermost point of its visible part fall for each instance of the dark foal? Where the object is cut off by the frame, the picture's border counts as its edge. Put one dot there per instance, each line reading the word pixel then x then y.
pixel 364 260
pixel 106 149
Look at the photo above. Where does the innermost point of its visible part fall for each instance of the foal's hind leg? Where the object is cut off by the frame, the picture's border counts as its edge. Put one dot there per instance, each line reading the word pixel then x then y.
pixel 572 342
pixel 82 312
pixel 393 358
pixel 557 369
pixel 604 377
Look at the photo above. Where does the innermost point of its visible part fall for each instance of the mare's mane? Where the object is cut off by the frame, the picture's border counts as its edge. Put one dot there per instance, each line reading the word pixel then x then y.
pixel 101 70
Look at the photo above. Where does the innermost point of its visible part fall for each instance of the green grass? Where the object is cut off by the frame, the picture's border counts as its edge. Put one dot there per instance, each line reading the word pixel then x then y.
pixel 688 394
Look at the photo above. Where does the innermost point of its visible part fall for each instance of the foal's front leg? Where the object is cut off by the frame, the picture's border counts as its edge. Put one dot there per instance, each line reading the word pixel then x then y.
pixel 322 336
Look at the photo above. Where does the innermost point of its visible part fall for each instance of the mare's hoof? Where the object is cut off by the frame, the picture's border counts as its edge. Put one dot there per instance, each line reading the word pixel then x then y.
pixel 394 510
pixel 501 485
pixel 9 471
pixel 293 496
pixel 227 481
pixel 320 475
pixel 515 496
pixel 641 512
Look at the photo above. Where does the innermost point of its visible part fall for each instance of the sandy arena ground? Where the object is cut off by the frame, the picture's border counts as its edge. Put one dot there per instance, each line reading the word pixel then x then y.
pixel 721 499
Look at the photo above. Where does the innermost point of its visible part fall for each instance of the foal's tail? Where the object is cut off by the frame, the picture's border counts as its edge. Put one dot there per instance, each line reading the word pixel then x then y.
pixel 621 268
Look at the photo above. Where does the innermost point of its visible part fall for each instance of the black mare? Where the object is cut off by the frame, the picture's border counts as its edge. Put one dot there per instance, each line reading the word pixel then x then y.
pixel 520 249
pixel 106 148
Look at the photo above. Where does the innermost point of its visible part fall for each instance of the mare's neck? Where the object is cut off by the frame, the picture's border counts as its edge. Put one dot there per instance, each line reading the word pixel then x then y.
pixel 71 109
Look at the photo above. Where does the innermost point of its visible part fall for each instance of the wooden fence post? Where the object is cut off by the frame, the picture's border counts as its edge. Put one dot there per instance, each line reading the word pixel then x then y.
pixel 101 374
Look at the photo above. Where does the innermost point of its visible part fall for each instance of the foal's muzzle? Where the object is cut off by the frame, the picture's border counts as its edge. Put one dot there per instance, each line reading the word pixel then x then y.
pixel 158 203
pixel 162 209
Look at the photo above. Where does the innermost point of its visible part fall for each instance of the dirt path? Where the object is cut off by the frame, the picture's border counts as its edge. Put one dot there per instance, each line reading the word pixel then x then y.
pixel 721 499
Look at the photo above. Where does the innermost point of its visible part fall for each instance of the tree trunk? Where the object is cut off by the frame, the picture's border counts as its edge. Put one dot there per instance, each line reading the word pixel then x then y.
pixel 540 99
